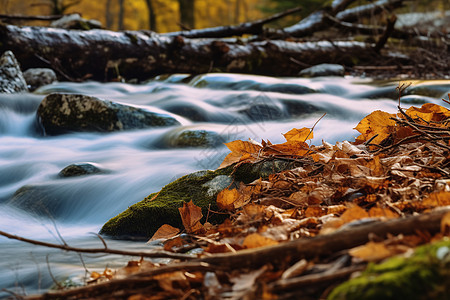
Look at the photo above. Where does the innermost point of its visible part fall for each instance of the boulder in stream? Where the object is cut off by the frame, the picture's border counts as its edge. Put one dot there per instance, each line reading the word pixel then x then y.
pixel 37 77
pixel 62 113
pixel 141 220
pixel 11 77
pixel 323 70
pixel 80 169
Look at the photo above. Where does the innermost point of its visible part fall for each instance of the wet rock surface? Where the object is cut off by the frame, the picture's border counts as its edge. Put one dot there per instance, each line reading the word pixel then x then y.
pixel 62 113
pixel 37 77
pixel 323 70
pixel 80 169
pixel 11 77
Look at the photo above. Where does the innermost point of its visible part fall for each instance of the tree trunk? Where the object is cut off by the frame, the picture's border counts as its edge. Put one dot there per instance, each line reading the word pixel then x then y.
pixel 109 16
pixel 121 14
pixel 151 15
pixel 187 10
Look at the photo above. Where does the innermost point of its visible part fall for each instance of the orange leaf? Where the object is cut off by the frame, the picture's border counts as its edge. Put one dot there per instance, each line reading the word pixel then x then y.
pixel 378 122
pixel 298 135
pixel 371 252
pixel 165 232
pixel 354 213
pixel 256 240
pixel 429 112
pixel 240 150
pixel 437 199
pixel 191 215
pixel 226 199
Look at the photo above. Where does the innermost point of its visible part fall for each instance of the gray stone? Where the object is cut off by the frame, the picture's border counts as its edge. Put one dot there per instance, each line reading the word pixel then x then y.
pixel 37 77
pixel 217 184
pixel 188 138
pixel 11 77
pixel 80 169
pixel 75 21
pixel 323 70
pixel 62 113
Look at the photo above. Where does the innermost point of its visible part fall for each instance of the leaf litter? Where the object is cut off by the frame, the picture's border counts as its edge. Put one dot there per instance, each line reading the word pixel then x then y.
pixel 397 168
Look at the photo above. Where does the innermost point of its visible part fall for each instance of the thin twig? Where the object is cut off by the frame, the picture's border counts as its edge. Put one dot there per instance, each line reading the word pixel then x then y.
pixel 149 254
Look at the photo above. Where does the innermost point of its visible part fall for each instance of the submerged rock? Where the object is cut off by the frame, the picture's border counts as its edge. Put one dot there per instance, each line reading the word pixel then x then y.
pixel 188 138
pixel 37 77
pixel 61 113
pixel 323 70
pixel 80 169
pixel 141 220
pixel 11 77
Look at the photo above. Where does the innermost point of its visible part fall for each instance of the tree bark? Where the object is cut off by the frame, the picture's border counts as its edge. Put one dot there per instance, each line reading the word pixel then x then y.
pixel 187 9
pixel 109 16
pixel 151 15
pixel 99 54
pixel 121 14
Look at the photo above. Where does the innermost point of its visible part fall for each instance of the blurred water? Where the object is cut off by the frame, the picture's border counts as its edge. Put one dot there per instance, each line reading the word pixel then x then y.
pixel 140 162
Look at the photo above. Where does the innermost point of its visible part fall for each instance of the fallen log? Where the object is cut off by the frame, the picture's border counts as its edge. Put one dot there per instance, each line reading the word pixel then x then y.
pixel 277 255
pixel 105 55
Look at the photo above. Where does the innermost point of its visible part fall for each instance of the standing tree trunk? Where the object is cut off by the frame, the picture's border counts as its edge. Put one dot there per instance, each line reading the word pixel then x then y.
pixel 187 9
pixel 109 16
pixel 237 11
pixel 151 15
pixel 121 14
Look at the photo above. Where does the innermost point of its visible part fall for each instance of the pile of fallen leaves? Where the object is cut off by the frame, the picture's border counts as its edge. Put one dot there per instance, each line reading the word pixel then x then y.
pixel 398 168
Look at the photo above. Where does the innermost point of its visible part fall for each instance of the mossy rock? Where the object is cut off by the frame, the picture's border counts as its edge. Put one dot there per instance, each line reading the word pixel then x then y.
pixel 141 220
pixel 424 275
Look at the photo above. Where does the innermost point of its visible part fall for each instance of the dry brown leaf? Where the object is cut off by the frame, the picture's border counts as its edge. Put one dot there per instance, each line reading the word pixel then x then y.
pixel 354 213
pixel 371 251
pixel 240 151
pixel 298 135
pixel 437 199
pixel 226 199
pixel 445 224
pixel 429 112
pixel 191 215
pixel 256 240
pixel 376 212
pixel 165 232
pixel 378 122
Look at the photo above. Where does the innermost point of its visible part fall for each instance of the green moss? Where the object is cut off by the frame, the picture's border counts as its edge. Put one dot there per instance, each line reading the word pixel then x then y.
pixel 421 276
pixel 141 220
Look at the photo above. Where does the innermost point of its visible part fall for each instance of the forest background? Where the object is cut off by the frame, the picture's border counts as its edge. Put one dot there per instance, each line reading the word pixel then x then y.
pixel 173 15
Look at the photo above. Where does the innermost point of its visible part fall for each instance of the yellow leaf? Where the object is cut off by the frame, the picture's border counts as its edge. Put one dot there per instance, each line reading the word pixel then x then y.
pixel 226 199
pixel 240 151
pixel 165 232
pixel 378 122
pixel 298 135
pixel 429 112
pixel 371 252
pixel 256 240
pixel 191 215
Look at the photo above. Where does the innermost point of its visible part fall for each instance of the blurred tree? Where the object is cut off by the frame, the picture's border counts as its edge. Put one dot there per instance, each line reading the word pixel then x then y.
pixel 121 14
pixel 151 15
pixel 109 16
pixel 59 7
pixel 187 9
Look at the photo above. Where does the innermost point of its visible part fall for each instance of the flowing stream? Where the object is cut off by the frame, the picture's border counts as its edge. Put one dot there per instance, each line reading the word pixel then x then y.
pixel 139 162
